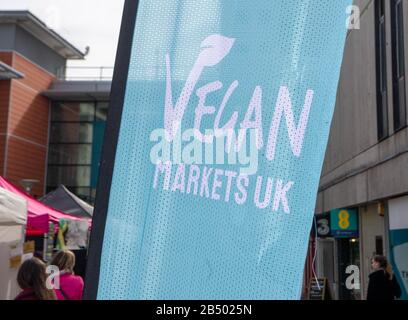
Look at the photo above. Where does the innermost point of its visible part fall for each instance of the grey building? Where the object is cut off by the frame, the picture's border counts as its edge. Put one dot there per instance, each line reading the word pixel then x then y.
pixel 366 164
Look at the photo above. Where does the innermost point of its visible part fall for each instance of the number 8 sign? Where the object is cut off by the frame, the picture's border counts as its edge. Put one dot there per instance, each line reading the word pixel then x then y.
pixel 344 222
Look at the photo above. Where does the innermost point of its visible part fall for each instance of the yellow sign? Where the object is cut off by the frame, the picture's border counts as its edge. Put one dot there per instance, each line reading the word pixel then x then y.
pixel 29 247
pixel 15 255
pixel 15 262
pixel 344 222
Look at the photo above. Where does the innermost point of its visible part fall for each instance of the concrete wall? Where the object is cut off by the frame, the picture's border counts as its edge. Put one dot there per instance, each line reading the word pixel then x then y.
pixel 5 87
pixel 372 225
pixel 7 36
pixel 38 52
pixel 357 168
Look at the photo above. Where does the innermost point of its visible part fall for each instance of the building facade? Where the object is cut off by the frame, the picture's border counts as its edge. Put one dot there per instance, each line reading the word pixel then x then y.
pixel 51 129
pixel 362 205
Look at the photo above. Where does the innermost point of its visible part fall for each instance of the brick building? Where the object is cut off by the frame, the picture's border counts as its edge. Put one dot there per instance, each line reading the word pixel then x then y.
pixel 48 125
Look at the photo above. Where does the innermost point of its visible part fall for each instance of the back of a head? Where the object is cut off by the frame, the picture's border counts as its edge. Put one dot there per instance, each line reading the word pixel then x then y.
pixel 383 263
pixel 64 260
pixel 381 260
pixel 32 275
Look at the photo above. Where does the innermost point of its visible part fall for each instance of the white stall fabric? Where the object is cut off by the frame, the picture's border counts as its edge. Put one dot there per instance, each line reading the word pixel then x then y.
pixel 13 218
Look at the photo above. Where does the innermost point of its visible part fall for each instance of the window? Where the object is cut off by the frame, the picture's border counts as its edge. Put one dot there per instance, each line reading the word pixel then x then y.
pixel 75 112
pixel 382 113
pixel 76 176
pixel 398 68
pixel 379 248
pixel 101 111
pixel 70 154
pixel 76 133
pixel 71 132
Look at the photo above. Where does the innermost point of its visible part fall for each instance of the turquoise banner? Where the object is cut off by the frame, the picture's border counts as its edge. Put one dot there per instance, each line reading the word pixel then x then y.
pixel 225 122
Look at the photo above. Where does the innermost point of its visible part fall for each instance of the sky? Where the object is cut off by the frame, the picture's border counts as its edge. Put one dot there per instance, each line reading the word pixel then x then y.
pixel 93 23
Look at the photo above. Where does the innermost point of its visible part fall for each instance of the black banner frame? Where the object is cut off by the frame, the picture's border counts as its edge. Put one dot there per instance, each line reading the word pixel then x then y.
pixel 117 99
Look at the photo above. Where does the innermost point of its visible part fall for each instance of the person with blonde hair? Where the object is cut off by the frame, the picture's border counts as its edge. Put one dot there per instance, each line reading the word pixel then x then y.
pixel 32 279
pixel 70 286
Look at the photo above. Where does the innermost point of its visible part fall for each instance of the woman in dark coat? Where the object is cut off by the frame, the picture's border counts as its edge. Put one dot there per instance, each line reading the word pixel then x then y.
pixel 381 285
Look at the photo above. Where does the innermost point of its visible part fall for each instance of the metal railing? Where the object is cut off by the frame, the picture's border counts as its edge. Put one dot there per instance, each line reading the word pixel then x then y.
pixel 79 73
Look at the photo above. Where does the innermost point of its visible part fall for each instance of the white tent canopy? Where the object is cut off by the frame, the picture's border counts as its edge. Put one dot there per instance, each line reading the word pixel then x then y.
pixel 13 209
pixel 13 218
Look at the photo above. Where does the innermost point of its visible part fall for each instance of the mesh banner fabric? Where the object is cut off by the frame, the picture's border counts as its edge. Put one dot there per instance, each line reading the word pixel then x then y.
pixel 225 122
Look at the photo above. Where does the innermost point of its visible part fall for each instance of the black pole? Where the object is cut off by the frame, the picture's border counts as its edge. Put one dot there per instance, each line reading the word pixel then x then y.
pixel 117 97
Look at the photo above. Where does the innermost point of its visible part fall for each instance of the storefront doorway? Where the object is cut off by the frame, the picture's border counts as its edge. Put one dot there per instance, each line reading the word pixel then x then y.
pixel 348 250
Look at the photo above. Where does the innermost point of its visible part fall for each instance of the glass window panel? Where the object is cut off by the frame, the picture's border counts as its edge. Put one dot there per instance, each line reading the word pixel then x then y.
pixel 49 189
pixel 382 114
pixel 73 111
pixel 399 107
pixel 75 176
pixel 83 193
pixel 400 40
pixel 71 133
pixel 382 58
pixel 101 111
pixel 70 154
pixel 381 7
pixel 93 193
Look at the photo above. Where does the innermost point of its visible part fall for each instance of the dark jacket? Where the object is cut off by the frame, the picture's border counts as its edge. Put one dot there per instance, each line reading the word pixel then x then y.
pixel 381 287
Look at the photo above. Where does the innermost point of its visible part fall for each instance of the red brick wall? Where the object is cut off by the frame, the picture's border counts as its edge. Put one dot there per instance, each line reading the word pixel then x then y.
pixel 28 124
pixel 4 105
pixel 5 57
pixel 26 161
pixel 29 114
pixel 2 148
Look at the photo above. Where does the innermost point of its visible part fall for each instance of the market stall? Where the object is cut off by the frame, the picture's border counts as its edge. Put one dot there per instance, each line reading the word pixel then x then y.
pixel 39 214
pixel 13 219
pixel 64 200
pixel 51 229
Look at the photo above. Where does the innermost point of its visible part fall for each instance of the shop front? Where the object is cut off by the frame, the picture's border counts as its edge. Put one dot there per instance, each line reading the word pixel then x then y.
pixel 398 239
pixel 338 252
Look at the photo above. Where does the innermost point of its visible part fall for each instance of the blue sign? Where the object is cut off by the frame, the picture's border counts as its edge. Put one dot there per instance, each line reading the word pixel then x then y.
pixel 218 127
pixel 344 223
